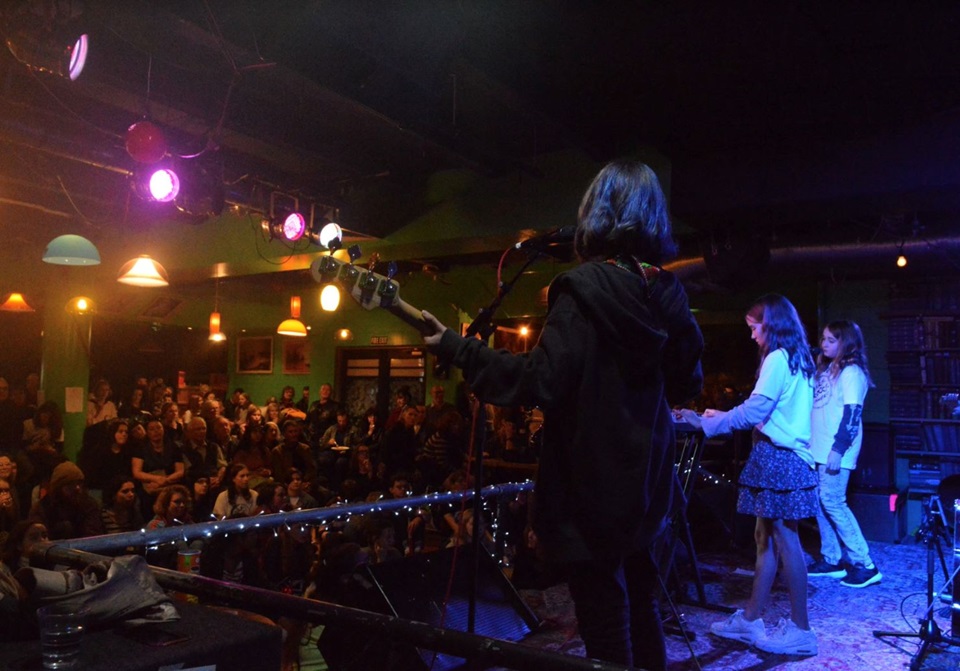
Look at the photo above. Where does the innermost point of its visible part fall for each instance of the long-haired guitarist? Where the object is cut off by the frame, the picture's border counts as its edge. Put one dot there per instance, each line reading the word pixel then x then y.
pixel 618 348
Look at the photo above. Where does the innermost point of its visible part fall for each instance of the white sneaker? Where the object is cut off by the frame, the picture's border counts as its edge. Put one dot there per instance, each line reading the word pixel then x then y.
pixel 789 639
pixel 738 628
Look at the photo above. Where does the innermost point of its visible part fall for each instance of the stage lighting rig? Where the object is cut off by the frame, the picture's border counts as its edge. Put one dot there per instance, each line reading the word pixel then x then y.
pixel 45 37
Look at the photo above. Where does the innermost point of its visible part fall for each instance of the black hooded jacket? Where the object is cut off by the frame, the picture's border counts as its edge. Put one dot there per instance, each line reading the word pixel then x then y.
pixel 613 356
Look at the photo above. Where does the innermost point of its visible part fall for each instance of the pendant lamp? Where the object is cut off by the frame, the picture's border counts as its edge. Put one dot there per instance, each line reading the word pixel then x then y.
pixel 293 326
pixel 71 250
pixel 143 271
pixel 16 303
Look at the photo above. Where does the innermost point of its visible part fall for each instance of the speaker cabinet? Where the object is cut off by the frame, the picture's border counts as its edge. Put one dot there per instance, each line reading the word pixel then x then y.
pixel 414 589
pixel 875 465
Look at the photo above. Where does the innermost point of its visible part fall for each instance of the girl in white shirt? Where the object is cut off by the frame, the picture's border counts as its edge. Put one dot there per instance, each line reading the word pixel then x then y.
pixel 842 383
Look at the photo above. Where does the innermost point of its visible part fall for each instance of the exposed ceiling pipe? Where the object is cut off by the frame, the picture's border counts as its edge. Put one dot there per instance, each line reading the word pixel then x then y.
pixel 864 258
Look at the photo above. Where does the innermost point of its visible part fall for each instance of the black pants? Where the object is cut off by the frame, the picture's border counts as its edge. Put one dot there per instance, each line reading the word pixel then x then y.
pixel 617 611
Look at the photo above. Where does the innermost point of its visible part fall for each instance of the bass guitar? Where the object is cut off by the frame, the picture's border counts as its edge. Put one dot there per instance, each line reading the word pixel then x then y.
pixel 368 289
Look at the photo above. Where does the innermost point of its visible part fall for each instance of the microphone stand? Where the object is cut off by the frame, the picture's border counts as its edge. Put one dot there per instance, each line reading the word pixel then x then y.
pixel 482 326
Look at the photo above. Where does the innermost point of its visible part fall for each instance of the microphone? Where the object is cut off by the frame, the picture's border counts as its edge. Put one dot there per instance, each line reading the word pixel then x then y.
pixel 547 243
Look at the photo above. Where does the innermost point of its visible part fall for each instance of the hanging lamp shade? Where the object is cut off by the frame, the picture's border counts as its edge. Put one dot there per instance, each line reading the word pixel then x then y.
pixel 143 271
pixel 216 335
pixel 71 250
pixel 16 303
pixel 292 327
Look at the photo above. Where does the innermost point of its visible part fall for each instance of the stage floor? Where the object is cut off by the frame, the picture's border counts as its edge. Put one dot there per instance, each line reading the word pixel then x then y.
pixel 844 618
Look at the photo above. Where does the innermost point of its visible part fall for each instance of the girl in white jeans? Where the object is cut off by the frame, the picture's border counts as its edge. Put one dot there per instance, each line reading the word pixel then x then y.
pixel 837 433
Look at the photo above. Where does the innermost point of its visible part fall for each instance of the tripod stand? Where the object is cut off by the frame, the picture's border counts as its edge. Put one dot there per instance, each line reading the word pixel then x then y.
pixel 931 530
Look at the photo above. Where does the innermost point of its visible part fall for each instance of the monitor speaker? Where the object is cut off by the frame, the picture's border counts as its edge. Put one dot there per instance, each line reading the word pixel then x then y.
pixel 414 589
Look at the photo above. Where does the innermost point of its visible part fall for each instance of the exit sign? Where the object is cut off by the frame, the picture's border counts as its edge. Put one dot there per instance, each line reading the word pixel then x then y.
pixel 378 340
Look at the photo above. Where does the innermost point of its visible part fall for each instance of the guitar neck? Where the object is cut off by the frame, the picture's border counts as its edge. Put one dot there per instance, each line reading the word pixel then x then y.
pixel 410 315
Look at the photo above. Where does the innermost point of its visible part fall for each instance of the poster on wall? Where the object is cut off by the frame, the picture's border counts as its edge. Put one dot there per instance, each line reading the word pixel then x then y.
pixel 296 356
pixel 255 355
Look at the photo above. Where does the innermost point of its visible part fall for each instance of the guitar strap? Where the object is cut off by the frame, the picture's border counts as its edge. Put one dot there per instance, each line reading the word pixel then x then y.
pixel 649 273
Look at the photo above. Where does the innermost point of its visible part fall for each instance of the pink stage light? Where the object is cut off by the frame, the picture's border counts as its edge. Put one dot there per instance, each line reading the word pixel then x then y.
pixel 294 226
pixel 78 57
pixel 164 185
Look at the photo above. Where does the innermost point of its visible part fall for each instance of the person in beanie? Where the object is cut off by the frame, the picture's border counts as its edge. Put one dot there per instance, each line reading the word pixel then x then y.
pixel 67 510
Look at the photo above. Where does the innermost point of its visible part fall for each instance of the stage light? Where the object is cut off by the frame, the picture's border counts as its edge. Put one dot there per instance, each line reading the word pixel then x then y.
pixel 290 228
pixel 329 298
pixel 331 237
pixel 145 142
pixel 143 271
pixel 71 250
pixel 163 185
pixel 42 39
pixel 16 303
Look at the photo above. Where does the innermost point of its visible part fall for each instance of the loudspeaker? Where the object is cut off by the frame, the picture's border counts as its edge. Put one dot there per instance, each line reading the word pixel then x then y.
pixel 875 465
pixel 414 589
pixel 882 515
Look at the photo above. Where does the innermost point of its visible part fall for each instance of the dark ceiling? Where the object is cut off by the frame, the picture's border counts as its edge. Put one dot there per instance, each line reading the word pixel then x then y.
pixel 797 123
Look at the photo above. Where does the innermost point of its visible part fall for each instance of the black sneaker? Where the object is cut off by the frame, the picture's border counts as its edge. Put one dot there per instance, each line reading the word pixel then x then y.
pixel 860 576
pixel 823 569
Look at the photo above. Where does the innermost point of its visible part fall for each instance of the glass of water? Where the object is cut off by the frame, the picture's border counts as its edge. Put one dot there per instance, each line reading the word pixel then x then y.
pixel 61 630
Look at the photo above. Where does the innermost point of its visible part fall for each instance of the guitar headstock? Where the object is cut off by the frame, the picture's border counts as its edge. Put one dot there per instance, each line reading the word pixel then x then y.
pixel 369 289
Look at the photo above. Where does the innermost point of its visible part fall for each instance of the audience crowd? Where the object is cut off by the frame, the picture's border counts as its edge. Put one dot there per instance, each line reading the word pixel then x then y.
pixel 149 463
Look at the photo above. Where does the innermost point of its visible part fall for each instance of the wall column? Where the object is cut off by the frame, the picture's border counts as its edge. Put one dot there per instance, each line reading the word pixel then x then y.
pixel 65 363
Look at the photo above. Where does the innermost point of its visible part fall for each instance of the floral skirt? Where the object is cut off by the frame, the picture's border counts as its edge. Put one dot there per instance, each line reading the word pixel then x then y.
pixel 776 483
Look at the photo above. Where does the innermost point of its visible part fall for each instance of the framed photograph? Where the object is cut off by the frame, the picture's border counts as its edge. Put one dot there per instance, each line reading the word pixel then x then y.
pixel 255 355
pixel 296 356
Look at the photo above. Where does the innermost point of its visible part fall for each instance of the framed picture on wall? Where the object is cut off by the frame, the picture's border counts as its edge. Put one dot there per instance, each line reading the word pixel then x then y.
pixel 255 355
pixel 296 356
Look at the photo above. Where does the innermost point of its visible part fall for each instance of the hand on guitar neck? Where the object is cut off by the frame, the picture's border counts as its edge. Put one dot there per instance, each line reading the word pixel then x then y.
pixel 371 290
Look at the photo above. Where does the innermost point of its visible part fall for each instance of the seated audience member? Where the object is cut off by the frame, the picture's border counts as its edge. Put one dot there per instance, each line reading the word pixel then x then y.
pixel 158 464
pixel 223 436
pixel 401 403
pixel 443 451
pixel 237 500
pixel 171 509
pixel 121 510
pixel 331 462
pixel 362 473
pixel 9 509
pixel 99 406
pixel 10 471
pixel 271 413
pixel 271 498
pixel 252 451
pixel 201 455
pixel 203 499
pixel 271 435
pixel 381 539
pixel 252 416
pixel 135 408
pixel 109 458
pixel 400 445
pixel 232 405
pixel 67 510
pixel 297 498
pixel 173 428
pixel 409 526
pixel 370 432
pixel 292 453
pixel 46 425
pixel 16 619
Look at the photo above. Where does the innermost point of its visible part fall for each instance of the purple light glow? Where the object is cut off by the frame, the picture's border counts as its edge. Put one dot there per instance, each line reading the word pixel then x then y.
pixel 164 185
pixel 294 226
pixel 78 57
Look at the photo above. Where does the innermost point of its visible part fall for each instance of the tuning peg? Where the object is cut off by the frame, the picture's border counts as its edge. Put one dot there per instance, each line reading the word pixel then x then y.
pixel 354 253
pixel 374 260
pixel 392 269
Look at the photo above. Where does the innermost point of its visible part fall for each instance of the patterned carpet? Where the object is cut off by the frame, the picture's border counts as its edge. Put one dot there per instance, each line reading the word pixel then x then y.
pixel 844 618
